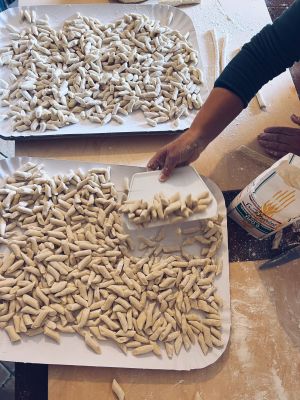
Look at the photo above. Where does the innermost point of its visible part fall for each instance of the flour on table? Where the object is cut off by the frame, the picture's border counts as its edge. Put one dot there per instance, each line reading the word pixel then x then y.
pixel 240 334
pixel 280 391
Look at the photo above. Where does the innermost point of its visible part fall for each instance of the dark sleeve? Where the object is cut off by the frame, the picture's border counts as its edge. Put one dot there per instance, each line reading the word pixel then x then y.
pixel 275 48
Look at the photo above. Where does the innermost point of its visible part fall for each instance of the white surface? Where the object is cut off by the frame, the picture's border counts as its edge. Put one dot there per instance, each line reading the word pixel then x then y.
pixel 72 350
pixel 134 122
pixel 185 180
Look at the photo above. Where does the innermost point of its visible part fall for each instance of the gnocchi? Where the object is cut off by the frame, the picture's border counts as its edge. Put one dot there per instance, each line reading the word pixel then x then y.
pixel 161 208
pixel 69 267
pixel 98 72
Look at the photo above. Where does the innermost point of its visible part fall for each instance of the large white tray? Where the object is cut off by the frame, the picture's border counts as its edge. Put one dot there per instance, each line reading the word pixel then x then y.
pixel 134 123
pixel 73 350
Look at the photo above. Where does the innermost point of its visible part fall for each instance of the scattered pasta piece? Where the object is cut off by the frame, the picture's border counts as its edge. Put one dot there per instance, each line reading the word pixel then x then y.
pixel 261 101
pixel 118 391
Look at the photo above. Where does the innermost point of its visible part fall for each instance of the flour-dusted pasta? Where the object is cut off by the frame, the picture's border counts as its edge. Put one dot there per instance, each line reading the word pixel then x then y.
pixel 173 209
pixel 10 330
pixel 148 348
pixel 71 269
pixel 119 392
pixel 261 101
pixel 109 71
pixel 92 343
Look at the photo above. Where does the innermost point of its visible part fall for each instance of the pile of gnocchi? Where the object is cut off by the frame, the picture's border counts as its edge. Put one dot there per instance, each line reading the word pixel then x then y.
pixel 69 266
pixel 97 72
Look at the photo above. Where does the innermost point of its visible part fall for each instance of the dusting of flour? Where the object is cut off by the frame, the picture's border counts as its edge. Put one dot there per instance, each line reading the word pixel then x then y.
pixel 278 386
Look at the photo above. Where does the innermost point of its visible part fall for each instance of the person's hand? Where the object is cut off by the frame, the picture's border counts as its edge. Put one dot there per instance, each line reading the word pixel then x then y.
pixel 179 152
pixel 279 140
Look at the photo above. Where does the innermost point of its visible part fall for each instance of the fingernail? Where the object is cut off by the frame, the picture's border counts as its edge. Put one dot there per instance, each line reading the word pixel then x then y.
pixel 152 167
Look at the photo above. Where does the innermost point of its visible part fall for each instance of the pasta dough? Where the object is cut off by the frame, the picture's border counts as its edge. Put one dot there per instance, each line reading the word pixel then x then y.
pixel 69 267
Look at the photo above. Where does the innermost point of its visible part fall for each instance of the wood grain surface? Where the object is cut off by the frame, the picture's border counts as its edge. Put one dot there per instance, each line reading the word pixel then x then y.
pixel 261 362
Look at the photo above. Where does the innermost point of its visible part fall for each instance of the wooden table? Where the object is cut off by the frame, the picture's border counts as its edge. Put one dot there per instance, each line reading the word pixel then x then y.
pixel 262 360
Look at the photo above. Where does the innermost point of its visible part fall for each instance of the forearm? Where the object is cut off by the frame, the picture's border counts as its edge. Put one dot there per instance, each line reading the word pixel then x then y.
pixel 219 110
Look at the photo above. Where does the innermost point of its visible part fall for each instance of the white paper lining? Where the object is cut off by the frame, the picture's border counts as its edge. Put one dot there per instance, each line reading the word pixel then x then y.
pixel 72 350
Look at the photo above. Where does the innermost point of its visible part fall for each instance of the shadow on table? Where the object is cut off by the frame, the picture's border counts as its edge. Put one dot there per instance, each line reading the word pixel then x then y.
pixel 83 148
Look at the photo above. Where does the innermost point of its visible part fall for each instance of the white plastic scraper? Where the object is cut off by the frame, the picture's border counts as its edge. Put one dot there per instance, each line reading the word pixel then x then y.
pixel 185 181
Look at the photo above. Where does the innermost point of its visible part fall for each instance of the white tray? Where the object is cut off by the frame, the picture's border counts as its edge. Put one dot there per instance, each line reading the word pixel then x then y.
pixel 135 123
pixel 42 350
pixel 185 180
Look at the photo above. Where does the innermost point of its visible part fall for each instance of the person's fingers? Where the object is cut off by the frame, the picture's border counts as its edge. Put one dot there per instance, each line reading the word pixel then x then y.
pixel 273 137
pixel 295 119
pixel 275 146
pixel 170 163
pixel 186 159
pixel 283 130
pixel 157 161
pixel 274 153
pixel 183 164
pixel 180 152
